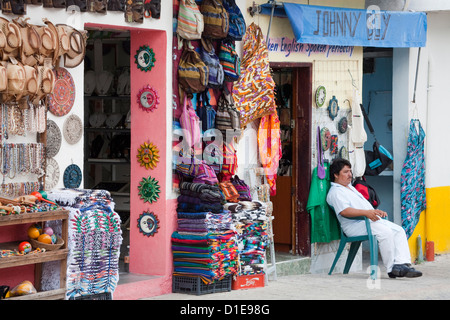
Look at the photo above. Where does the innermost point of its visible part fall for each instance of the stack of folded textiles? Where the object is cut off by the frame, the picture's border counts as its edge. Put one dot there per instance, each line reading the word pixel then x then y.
pixel 251 223
pixel 204 243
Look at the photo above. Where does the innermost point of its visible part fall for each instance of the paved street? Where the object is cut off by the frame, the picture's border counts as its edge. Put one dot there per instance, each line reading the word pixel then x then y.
pixel 433 285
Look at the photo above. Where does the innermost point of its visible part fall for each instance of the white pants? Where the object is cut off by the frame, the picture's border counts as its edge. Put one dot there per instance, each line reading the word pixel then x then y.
pixel 392 243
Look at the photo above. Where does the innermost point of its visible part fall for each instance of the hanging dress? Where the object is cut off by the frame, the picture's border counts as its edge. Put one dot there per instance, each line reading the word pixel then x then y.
pixel 413 199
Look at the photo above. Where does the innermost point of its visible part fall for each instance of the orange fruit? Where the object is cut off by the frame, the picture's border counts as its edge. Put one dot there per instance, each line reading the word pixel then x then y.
pixel 33 232
pixel 45 238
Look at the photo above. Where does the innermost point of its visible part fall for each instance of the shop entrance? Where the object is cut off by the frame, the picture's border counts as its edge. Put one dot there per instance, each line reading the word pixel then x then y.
pixel 293 96
pixel 107 121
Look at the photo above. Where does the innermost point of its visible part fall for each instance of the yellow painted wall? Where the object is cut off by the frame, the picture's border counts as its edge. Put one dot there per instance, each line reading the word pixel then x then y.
pixel 434 223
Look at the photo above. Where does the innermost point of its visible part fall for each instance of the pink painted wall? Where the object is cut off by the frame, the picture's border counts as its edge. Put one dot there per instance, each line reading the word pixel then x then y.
pixel 148 255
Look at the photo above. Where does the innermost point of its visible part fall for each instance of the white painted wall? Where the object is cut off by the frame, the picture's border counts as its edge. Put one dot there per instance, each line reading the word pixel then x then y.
pixel 69 154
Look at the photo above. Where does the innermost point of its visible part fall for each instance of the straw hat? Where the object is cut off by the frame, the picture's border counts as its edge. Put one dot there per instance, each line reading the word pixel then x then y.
pixel 64 41
pixel 3 79
pixel 2 41
pixel 56 53
pixel 15 73
pixel 46 83
pixel 31 81
pixel 13 38
pixel 77 47
pixel 49 39
pixel 31 42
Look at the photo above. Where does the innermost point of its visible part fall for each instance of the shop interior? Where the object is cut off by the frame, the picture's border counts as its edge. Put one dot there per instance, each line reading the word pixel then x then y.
pixel 107 131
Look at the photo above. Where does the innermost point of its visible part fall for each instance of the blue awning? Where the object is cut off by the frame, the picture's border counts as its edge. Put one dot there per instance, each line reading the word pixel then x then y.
pixel 352 27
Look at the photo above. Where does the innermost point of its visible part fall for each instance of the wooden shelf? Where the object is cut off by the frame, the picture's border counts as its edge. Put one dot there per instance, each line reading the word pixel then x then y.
pixel 40 257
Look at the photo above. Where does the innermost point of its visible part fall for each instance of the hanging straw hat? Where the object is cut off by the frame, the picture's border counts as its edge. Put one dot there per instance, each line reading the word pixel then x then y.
pixel 3 79
pixel 31 42
pixel 31 81
pixel 55 55
pixel 15 73
pixel 49 40
pixel 13 38
pixel 77 47
pixel 64 41
pixel 46 83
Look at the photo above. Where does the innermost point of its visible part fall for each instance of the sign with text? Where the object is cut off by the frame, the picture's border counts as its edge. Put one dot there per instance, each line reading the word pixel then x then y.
pixel 288 46
pixel 354 27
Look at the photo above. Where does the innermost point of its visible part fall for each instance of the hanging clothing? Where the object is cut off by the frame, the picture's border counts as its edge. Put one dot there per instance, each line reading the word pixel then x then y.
pixel 412 183
pixel 324 224
pixel 357 136
pixel 269 145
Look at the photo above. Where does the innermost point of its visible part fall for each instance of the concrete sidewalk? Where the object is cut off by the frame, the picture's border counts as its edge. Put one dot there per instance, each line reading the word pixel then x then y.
pixel 433 285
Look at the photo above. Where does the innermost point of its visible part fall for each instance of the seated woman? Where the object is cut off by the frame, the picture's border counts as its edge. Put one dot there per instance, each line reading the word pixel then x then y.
pixel 349 204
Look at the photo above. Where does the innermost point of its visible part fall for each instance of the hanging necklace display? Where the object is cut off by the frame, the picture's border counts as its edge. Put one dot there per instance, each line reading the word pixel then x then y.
pixel 149 189
pixel 343 125
pixel 145 58
pixel 333 108
pixel 72 129
pixel 51 174
pixel 148 223
pixel 148 155
pixel 22 158
pixel 72 176
pixel 148 98
pixel 61 100
pixel 321 94
pixel 53 139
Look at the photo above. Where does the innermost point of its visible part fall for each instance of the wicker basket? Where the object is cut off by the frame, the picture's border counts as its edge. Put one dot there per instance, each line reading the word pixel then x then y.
pixel 50 247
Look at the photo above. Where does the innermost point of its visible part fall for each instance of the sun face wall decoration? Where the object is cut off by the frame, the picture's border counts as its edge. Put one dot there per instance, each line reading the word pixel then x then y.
pixel 148 155
pixel 149 189
pixel 148 223
pixel 145 58
pixel 148 98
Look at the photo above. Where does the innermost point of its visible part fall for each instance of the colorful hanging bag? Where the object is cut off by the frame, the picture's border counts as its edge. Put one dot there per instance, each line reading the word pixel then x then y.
pixel 210 58
pixel 215 18
pixel 253 93
pixel 230 61
pixel 237 22
pixel 190 20
pixel 193 73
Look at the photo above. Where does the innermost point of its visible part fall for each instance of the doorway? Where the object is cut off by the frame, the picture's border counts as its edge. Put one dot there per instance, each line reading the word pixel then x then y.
pixel 293 97
pixel 107 122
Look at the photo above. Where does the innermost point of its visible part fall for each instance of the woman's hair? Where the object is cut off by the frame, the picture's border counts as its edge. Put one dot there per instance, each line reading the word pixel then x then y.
pixel 337 165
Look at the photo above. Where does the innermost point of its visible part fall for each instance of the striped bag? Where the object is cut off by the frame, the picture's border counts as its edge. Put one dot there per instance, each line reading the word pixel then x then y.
pixel 193 73
pixel 237 21
pixel 230 61
pixel 190 20
pixel 216 20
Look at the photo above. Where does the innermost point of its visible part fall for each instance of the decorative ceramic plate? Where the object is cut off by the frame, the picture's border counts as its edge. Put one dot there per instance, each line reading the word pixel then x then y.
pixel 343 125
pixel 148 223
pixel 51 174
pixel 148 98
pixel 145 58
pixel 72 176
pixel 333 108
pixel 149 189
pixel 148 155
pixel 61 100
pixel 73 129
pixel 343 153
pixel 53 139
pixel 321 94
pixel 325 137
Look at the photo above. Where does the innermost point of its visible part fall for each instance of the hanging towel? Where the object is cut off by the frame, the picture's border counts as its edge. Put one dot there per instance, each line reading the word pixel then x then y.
pixel 412 180
pixel 324 225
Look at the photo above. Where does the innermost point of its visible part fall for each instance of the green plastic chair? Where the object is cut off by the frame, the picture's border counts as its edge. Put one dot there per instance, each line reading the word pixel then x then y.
pixel 355 243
